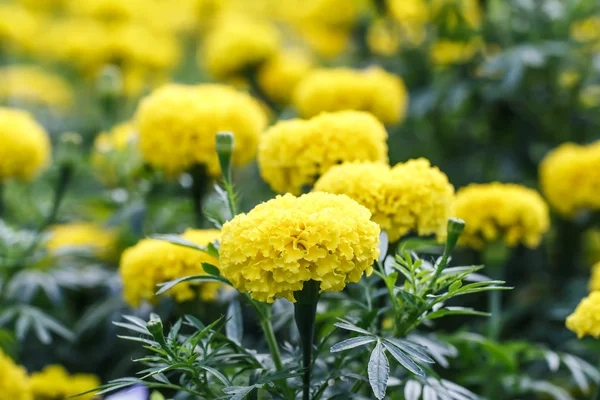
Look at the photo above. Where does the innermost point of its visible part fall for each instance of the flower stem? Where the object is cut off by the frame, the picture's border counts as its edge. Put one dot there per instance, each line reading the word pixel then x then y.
pixel 495 257
pixel 197 191
pixel 267 327
pixel 305 312
pixel 64 179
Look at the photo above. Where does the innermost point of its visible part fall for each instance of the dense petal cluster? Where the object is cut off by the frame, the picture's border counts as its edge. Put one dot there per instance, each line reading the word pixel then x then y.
pixel 54 382
pixel 585 320
pixel 32 86
pixel 177 125
pixel 271 251
pixel 14 383
pixel 115 155
pixel 237 45
pixel 101 241
pixel 498 211
pixel 373 90
pixel 411 196
pixel 24 145
pixel 279 75
pixel 570 179
pixel 151 262
pixel 594 284
pixel 294 153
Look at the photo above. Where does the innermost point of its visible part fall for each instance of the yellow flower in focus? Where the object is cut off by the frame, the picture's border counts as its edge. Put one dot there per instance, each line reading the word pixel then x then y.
pixel 587 30
pixel 594 284
pixel 448 52
pixel 177 125
pixel 24 145
pixel 569 177
pixel 411 196
pixel 272 250
pixel 294 153
pixel 54 382
pixel 99 240
pixel 373 90
pixel 115 154
pixel 236 45
pixel 279 75
pixel 18 28
pixel 31 85
pixel 585 320
pixel 501 211
pixel 14 383
pixel 152 261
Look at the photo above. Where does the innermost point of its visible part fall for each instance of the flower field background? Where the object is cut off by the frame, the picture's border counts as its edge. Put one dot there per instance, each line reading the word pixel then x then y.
pixel 317 199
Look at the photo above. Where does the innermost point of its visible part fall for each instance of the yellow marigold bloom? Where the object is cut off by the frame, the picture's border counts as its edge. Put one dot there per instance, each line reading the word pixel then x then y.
pixel 54 382
pixel 18 28
pixel 271 251
pixel 109 10
pixel 594 284
pixel 326 41
pixel 501 211
pixel 177 125
pixel 384 37
pixel 115 154
pixel 586 30
pixel 14 383
pixel 373 90
pixel 411 196
pixel 294 153
pixel 448 52
pixel 24 145
pixel 237 44
pixel 88 235
pixel 31 85
pixel 340 13
pixel 410 11
pixel 585 320
pixel 152 261
pixel 279 75
pixel 569 177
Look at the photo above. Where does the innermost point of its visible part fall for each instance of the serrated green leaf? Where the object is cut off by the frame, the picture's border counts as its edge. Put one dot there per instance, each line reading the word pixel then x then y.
pixel 404 359
pixel 378 371
pixel 234 328
pixel 442 312
pixel 351 343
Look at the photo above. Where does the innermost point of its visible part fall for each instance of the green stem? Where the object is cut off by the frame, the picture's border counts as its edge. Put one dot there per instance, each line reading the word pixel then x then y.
pixel 64 179
pixel 305 313
pixel 267 327
pixel 495 257
pixel 197 191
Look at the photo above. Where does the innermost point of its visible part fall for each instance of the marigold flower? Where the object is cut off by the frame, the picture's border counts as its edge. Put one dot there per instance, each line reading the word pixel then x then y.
pixel 101 241
pixel 585 320
pixel 373 90
pixel 279 75
pixel 569 177
pixel 272 250
pixel 18 28
pixel 54 382
pixel 152 261
pixel 449 52
pixel 501 211
pixel 31 85
pixel 326 41
pixel 411 196
pixel 24 145
pixel 177 125
pixel 237 44
pixel 14 383
pixel 294 153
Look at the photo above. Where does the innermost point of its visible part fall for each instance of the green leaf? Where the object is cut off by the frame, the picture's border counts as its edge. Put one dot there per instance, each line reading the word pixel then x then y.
pixel 345 324
pixel 179 241
pixel 234 328
pixel 238 392
pixel 455 286
pixel 216 373
pixel 200 278
pixel 212 250
pixel 412 390
pixel 378 371
pixel 416 351
pixel 442 312
pixel 403 359
pixel 352 343
pixel 211 269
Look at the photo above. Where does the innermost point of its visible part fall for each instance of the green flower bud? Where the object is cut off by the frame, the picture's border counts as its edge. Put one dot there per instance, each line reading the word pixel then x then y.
pixel 225 145
pixel 455 228
pixel 155 327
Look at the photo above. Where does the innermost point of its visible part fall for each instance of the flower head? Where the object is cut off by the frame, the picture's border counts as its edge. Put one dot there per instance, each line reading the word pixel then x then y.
pixel 271 251
pixel 411 196
pixel 569 177
pixel 152 261
pixel 32 86
pixel 14 383
pixel 115 155
pixel 449 52
pixel 279 75
pixel 177 125
pixel 373 90
pixel 101 241
pixel 54 382
pixel 18 28
pixel 24 145
pixel 501 211
pixel 585 320
pixel 294 153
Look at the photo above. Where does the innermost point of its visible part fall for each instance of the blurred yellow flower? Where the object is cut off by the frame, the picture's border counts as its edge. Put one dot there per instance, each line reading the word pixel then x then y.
pixel 594 283
pixel 54 382
pixel 24 145
pixel 332 13
pixel 448 52
pixel 152 261
pixel 568 79
pixel 501 211
pixel 455 14
pixel 569 177
pixel 33 86
pixel 294 153
pixel 411 196
pixel 177 125
pixel 279 75
pixel 326 41
pixel 410 12
pixel 18 28
pixel 585 320
pixel 14 383
pixel 373 90
pixel 271 251
pixel 115 154
pixel 384 37
pixel 590 96
pixel 586 30
pixel 87 235
pixel 236 45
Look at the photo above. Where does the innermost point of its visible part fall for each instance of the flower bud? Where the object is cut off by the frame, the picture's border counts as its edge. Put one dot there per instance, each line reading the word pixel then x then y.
pixel 455 228
pixel 155 327
pixel 225 145
pixel 68 152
